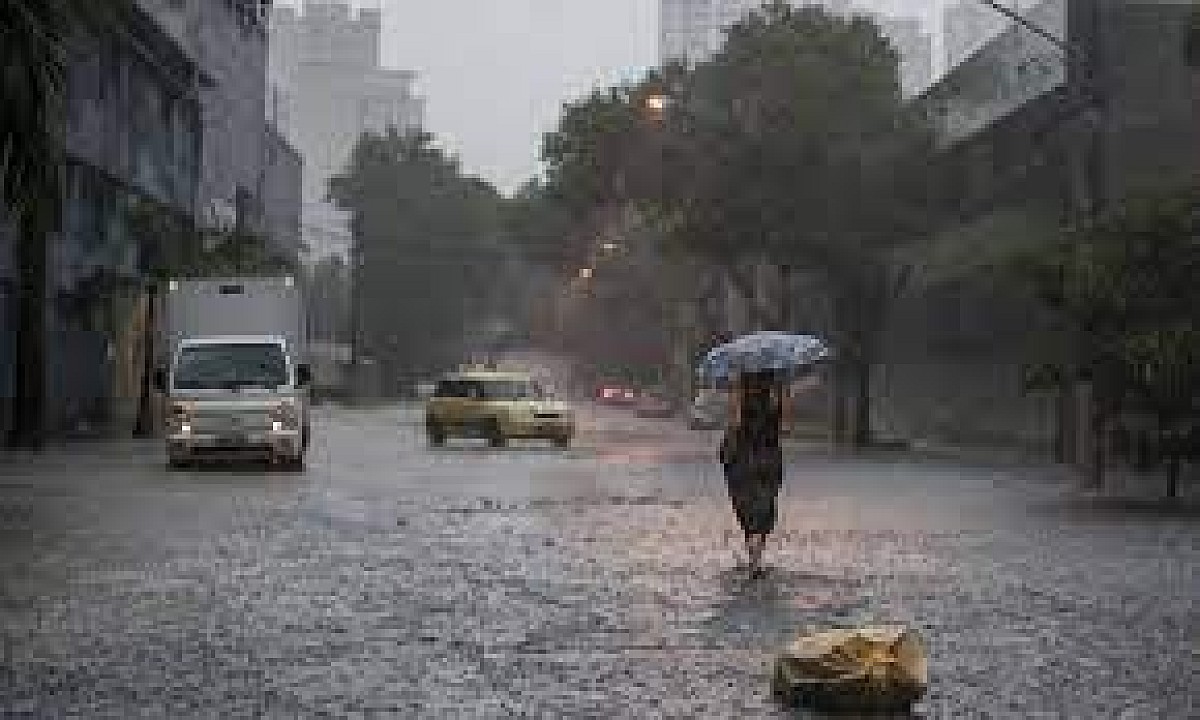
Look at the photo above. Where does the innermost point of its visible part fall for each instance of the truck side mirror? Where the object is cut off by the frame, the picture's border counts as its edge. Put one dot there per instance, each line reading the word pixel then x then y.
pixel 303 375
pixel 160 380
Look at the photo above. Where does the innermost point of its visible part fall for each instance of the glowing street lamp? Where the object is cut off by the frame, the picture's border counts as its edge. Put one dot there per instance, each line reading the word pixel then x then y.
pixel 585 273
pixel 657 103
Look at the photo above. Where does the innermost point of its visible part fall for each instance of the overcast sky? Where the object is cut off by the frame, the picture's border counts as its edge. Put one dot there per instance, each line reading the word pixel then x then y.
pixel 496 72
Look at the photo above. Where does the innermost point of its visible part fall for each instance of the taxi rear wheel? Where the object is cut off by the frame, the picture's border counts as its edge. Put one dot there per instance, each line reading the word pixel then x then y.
pixel 435 433
pixel 562 441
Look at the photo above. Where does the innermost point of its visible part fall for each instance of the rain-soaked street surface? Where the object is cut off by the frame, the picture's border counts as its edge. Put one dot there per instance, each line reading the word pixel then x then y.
pixel 391 580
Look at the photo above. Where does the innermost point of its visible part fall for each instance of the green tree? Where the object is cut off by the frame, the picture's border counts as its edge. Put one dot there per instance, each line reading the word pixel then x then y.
pixel 793 146
pixel 426 238
pixel 185 250
pixel 604 156
pixel 1123 288
pixel 232 253
pixel 813 163
pixel 543 228
pixel 606 147
pixel 329 298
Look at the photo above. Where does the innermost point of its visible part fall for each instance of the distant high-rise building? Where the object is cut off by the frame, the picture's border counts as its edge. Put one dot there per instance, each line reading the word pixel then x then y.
pixel 916 52
pixel 329 88
pixel 969 24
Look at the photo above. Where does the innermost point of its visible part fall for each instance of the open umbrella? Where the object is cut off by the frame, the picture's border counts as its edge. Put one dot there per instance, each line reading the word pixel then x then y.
pixel 784 353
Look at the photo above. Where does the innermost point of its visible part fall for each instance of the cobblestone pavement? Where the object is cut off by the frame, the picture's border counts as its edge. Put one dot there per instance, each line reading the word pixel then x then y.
pixel 392 580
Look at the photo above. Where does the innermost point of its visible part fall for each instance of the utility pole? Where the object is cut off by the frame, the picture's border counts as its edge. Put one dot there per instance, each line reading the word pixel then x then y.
pixel 357 360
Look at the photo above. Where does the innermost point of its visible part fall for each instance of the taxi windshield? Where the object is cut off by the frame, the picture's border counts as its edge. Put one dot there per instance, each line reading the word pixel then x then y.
pixel 510 390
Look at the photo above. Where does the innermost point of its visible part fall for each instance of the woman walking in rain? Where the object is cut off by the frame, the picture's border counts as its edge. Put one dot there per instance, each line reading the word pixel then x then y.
pixel 757 368
pixel 752 456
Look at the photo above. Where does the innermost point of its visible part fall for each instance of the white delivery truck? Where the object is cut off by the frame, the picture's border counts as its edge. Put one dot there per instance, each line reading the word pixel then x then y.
pixel 235 370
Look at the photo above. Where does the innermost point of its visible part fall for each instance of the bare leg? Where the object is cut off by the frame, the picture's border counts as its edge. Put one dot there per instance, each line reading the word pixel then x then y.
pixel 754 548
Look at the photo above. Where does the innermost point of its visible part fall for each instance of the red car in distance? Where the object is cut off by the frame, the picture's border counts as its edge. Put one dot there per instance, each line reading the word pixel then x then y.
pixel 616 394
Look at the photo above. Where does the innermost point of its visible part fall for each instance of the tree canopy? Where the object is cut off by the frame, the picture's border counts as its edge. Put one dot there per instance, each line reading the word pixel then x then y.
pixel 792 146
pixel 1123 287
pixel 426 237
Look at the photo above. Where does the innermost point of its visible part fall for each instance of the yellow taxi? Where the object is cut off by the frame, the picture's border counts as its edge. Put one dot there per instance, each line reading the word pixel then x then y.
pixel 496 405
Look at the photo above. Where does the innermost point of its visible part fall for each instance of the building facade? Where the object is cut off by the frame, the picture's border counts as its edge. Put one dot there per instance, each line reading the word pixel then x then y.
pixel 329 88
pixel 915 45
pixel 133 128
pixel 245 167
pixel 165 128
pixel 1021 152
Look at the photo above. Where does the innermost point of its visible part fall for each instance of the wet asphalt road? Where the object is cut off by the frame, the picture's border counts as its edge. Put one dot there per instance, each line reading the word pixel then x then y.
pixel 391 580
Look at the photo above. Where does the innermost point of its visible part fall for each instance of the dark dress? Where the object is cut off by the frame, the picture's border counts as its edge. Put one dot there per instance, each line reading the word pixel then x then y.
pixel 753 459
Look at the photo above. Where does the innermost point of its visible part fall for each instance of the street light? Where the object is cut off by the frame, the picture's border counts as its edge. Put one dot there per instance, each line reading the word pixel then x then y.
pixel 657 103
pixel 585 273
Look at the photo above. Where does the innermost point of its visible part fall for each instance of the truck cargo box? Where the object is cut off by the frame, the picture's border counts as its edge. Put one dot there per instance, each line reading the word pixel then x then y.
pixel 263 306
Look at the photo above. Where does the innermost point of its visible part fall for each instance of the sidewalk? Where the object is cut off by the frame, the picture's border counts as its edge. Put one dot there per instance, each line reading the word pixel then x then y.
pixel 71 452
pixel 982 454
pixel 816 434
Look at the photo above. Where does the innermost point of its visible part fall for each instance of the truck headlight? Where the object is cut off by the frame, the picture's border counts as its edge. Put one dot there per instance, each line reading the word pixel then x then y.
pixel 285 416
pixel 181 417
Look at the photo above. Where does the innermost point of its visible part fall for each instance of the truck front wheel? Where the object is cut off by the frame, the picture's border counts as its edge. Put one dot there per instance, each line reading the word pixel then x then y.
pixel 294 463
pixel 495 434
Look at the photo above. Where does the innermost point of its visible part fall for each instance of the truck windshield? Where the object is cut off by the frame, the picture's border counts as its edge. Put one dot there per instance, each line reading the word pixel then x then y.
pixel 231 367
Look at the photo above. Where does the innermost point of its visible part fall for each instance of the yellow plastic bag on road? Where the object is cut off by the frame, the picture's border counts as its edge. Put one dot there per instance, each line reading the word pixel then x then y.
pixel 868 669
